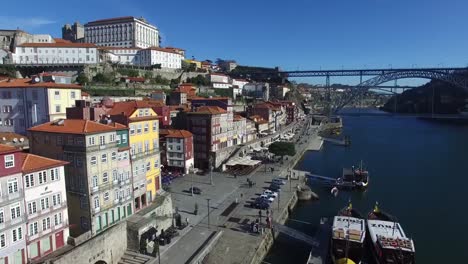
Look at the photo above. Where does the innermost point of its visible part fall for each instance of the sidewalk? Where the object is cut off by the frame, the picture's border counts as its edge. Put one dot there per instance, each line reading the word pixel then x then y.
pixel 237 242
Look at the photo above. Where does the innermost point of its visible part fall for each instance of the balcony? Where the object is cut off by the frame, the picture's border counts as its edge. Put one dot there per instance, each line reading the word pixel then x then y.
pixel 42 233
pixel 48 210
pixel 145 154
pixel 11 197
pixel 95 189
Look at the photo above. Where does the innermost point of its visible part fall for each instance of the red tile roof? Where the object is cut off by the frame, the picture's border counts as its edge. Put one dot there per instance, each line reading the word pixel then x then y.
pixel 4 149
pixel 75 126
pixel 59 45
pixel 238 118
pixel 26 83
pixel 175 133
pixel 60 40
pixel 84 94
pixel 174 48
pixel 118 48
pixel 32 163
pixel 213 110
pixel 128 107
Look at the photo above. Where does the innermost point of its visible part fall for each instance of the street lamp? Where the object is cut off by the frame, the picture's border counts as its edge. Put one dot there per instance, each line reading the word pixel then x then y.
pixel 208 204
pixel 211 170
pixel 191 177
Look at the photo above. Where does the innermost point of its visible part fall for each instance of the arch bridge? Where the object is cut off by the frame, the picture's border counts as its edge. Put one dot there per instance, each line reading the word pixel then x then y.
pixel 456 76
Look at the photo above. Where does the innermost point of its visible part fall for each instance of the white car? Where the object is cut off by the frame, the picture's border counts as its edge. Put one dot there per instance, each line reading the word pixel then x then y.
pixel 268 198
pixel 270 193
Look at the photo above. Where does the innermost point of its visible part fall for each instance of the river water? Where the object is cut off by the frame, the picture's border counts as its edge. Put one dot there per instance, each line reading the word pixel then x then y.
pixel 418 173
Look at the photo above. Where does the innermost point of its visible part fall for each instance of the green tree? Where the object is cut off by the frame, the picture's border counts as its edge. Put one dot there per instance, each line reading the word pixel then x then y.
pixel 102 78
pixel 282 148
pixel 82 79
pixel 188 67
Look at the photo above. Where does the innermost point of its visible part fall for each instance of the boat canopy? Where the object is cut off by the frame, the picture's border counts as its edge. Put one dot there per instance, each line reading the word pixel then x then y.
pixel 389 235
pixel 349 228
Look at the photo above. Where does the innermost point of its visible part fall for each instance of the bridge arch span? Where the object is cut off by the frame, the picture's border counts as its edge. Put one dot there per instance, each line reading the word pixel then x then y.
pixel 445 76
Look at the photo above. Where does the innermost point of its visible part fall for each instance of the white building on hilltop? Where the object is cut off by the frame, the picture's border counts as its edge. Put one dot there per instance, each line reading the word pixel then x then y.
pixel 60 52
pixel 127 32
pixel 168 58
pixel 127 56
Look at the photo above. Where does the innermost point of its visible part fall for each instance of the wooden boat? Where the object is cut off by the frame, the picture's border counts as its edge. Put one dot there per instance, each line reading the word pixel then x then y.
pixel 389 242
pixel 348 235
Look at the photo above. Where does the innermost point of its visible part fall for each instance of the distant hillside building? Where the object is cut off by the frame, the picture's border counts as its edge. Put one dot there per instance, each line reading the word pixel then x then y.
pixel 126 32
pixel 73 33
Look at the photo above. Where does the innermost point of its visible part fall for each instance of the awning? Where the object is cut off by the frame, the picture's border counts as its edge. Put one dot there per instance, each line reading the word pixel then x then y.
pixel 246 161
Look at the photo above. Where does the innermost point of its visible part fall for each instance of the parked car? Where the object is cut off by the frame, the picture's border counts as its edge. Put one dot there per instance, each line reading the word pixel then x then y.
pixel 270 193
pixel 195 190
pixel 278 181
pixel 261 205
pixel 267 198
pixel 274 187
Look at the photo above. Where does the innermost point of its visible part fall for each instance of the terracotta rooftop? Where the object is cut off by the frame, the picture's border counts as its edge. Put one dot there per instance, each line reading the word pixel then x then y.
pixel 32 163
pixel 238 118
pixel 59 45
pixel 8 137
pixel 26 83
pixel 175 133
pixel 75 126
pixel 212 98
pixel 118 48
pixel 127 108
pixel 213 110
pixel 61 40
pixel 4 149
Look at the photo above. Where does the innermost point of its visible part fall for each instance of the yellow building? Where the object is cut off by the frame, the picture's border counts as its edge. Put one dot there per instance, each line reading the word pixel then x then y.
pixel 143 126
pixel 60 99
pixel 198 64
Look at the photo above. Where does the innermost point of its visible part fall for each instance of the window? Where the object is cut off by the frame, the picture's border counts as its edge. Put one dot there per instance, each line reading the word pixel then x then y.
pixel 34 95
pixel 12 186
pixel 114 155
pixel 29 179
pixel 2 240
pixel 105 177
pixel 148 166
pixel 79 162
pixel 132 129
pixel 33 228
pixel 42 177
pixel 93 160
pixel 124 139
pixel 139 129
pixel 9 161
pixel 125 155
pixel 147 146
pixel 8 122
pixel 2 216
pixel 95 181
pixel 44 203
pixel 32 207
pixel 17 234
pixel 96 202
pixel 146 128
pixel 15 211
pixel 112 138
pixel 7 109
pixel 46 223
pixel 54 175
pixel 155 126
pixel 106 196
pixel 118 139
pixel 57 95
pixel 72 95
pixel 58 219
pixel 56 199
pixel 104 158
pixel 102 140
pixel 140 112
pixel 57 109
pixel 91 141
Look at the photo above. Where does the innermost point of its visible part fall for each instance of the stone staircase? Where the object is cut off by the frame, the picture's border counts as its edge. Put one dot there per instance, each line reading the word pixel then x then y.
pixel 133 257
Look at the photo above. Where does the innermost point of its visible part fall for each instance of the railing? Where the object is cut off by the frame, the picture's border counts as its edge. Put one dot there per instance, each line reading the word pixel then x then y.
pixel 41 233
pixel 48 210
pixel 12 222
pixel 10 197
pixel 145 154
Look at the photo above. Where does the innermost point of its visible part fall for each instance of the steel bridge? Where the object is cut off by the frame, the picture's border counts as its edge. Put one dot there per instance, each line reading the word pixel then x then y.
pixel 454 75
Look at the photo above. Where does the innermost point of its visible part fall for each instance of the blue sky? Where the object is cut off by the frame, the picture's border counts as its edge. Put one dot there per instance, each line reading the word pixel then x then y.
pixel 293 34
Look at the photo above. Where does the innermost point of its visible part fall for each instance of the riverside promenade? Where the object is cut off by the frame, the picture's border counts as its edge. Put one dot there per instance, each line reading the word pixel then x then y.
pixel 224 236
